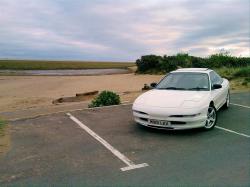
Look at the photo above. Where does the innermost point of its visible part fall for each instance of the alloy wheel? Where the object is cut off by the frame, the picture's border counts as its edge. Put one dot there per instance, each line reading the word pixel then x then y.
pixel 211 117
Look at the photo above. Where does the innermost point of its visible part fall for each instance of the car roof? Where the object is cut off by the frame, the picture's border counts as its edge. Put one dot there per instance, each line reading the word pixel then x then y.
pixel 196 70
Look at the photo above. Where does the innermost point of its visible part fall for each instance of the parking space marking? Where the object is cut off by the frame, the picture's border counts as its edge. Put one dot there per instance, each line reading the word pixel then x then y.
pixel 240 105
pixel 228 130
pixel 129 163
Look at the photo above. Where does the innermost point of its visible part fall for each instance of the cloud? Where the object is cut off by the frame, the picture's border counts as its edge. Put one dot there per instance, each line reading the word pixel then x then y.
pixel 122 30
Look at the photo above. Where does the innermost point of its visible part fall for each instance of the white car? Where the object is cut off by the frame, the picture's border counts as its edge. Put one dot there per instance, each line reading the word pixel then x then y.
pixel 184 99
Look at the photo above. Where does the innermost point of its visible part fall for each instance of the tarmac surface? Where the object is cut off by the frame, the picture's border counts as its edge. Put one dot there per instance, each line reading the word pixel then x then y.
pixel 56 150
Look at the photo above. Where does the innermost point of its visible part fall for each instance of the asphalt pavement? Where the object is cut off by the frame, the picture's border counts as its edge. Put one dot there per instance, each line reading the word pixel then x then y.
pixel 90 151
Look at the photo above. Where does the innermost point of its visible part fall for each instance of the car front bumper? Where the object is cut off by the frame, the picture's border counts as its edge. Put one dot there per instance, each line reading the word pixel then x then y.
pixel 173 123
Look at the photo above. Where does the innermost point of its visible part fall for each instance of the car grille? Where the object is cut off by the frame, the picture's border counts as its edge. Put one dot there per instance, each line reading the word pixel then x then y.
pixel 158 127
pixel 177 122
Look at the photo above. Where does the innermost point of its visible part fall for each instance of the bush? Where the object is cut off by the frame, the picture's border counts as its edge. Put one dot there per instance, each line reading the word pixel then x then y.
pixel 154 64
pixel 148 62
pixel 243 72
pixel 198 62
pixel 183 60
pixel 167 65
pixel 2 125
pixel 247 79
pixel 105 98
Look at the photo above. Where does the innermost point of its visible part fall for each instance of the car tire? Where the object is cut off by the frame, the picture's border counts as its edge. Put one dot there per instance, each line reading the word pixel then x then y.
pixel 211 118
pixel 227 103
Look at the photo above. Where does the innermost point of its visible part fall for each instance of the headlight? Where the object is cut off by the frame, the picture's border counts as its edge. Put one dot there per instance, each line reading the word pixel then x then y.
pixel 140 112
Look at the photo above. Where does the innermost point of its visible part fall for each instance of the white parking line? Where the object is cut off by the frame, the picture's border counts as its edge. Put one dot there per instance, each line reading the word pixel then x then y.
pixel 228 130
pixel 129 163
pixel 240 105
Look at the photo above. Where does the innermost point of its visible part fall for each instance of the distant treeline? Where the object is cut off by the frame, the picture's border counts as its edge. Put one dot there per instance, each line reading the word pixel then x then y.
pixel 163 64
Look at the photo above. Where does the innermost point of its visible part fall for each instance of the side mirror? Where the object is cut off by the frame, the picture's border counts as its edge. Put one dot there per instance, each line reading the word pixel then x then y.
pixel 217 86
pixel 153 85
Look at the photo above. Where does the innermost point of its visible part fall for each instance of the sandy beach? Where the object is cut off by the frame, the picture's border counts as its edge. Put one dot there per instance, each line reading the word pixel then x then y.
pixel 24 92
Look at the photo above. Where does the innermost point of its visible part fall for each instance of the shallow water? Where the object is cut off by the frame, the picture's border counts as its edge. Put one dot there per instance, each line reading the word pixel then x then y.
pixel 65 72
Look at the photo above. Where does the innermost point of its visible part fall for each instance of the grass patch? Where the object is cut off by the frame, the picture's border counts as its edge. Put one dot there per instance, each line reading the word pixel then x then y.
pixel 53 65
pixel 233 73
pixel 243 72
pixel 239 77
pixel 2 126
pixel 4 138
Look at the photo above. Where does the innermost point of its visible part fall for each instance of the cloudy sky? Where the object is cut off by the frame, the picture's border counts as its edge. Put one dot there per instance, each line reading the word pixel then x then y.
pixel 122 30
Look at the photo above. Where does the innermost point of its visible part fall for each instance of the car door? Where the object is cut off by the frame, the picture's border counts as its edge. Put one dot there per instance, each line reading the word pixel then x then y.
pixel 217 94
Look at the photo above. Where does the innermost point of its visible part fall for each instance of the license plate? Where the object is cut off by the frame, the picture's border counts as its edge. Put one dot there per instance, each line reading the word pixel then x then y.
pixel 159 122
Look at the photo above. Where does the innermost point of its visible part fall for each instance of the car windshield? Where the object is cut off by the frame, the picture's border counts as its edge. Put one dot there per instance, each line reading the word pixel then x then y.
pixel 185 81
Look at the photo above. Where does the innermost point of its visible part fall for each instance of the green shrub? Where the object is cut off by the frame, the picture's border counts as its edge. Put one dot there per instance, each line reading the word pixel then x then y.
pixel 148 62
pixel 243 72
pixel 105 98
pixel 198 62
pixel 168 66
pixel 227 73
pixel 2 122
pixel 154 64
pixel 2 125
pixel 247 79
pixel 182 60
pixel 244 83
pixel 220 60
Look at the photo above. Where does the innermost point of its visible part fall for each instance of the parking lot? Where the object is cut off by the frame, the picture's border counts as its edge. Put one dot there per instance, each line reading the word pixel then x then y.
pixel 104 147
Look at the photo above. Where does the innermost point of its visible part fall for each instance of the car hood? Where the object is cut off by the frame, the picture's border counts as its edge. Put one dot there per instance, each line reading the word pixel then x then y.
pixel 172 98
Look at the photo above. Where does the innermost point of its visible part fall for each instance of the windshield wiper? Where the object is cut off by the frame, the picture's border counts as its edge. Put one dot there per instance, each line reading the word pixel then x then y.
pixel 172 88
pixel 197 88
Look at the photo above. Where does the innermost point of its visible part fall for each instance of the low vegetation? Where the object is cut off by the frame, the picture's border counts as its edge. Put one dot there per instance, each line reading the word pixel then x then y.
pixel 233 73
pixel 2 125
pixel 53 65
pixel 105 98
pixel 163 64
pixel 236 69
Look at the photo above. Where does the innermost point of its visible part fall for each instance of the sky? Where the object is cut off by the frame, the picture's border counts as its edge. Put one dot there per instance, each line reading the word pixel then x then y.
pixel 122 30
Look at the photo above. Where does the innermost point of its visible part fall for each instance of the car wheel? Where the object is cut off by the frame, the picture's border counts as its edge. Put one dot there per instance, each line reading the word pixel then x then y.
pixel 227 103
pixel 211 118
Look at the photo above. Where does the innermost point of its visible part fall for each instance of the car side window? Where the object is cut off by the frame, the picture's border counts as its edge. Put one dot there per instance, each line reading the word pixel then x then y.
pixel 215 78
